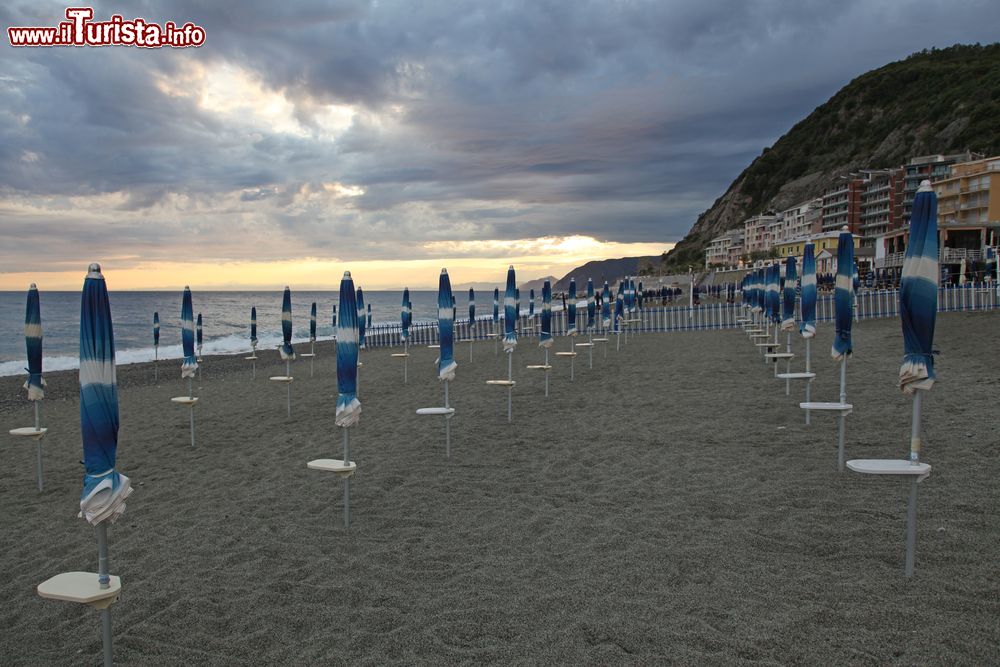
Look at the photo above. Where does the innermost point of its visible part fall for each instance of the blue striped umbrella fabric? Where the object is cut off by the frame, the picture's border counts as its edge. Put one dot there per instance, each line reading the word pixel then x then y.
pixel 918 294
pixel 517 306
pixel 334 320
pixel 361 318
pixel 591 305
pixel 253 326
pixel 287 353
pixel 348 405
pixel 104 489
pixel 312 322
pixel 198 335
pixel 606 305
pixel 638 296
pixel 509 311
pixel 496 305
pixel 33 342
pixel 454 309
pixel 156 328
pixel 571 307
pixel 404 315
pixel 531 302
pixel 472 308
pixel 788 301
pixel 855 280
pixel 619 306
pixel 808 326
pixel 843 298
pixel 446 329
pixel 774 292
pixel 545 335
pixel 190 364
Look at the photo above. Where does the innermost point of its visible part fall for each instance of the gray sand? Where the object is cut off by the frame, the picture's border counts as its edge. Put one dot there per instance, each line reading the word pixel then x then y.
pixel 670 506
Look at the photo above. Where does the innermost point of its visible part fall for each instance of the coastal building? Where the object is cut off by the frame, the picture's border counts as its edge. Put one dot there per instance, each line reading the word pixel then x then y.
pixel 881 204
pixel 803 219
pixel 757 233
pixel 842 204
pixel 737 249
pixel 928 167
pixel 825 249
pixel 968 218
pixel 725 250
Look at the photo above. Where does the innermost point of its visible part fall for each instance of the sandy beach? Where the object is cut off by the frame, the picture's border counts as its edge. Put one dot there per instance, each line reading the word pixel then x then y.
pixel 669 506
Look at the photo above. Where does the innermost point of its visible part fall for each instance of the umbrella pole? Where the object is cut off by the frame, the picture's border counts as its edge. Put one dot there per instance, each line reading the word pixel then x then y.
pixel 808 380
pixel 312 355
pixel 191 407
pixel 590 350
pixel 843 399
pixel 347 480
pixel 788 364
pixel 288 385
pixel 156 360
pixel 447 424
pixel 406 358
pixel 510 377
pixel 546 371
pixel 911 509
pixel 572 362
pixel 104 581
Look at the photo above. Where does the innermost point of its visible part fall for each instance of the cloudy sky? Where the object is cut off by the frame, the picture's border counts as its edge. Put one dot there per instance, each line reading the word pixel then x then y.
pixel 393 138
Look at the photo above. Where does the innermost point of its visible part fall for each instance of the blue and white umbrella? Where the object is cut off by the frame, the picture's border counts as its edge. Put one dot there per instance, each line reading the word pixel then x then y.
pixel 638 296
pixel 348 405
pixel 918 294
pixel 287 353
pixel 510 312
pixel 788 300
pixel 545 335
pixel 368 309
pixel 606 305
pixel 404 315
pixel 454 309
pixel 472 310
pixel 361 318
pixel 496 305
pixel 591 305
pixel 33 342
pixel 517 308
pixel 446 329
pixel 774 293
pixel 619 307
pixel 156 332
pixel 808 326
pixel 198 334
pixel 843 298
pixel 531 302
pixel 189 367
pixel 312 323
pixel 253 327
pixel 104 488
pixel 571 307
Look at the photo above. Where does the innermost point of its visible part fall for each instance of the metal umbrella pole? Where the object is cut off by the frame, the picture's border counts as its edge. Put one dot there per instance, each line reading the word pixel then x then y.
pixel 546 369
pixel 288 385
pixel 191 407
pixel 808 380
pixel 843 400
pixel 104 581
pixel 347 478
pixel 510 389
pixel 38 448
pixel 447 423
pixel 911 508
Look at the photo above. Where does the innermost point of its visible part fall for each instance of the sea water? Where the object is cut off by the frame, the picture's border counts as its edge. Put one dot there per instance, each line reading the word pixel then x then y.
pixel 225 315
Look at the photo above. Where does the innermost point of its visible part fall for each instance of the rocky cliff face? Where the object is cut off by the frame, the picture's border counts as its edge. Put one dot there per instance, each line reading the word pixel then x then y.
pixel 939 101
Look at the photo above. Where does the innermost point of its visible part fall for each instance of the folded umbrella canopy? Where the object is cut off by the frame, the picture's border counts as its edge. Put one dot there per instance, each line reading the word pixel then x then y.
pixel 808 326
pixel 287 353
pixel 446 329
pixel 918 295
pixel 33 342
pixel 472 310
pixel 156 331
pixel 496 305
pixel 774 293
pixel 788 300
pixel 348 405
pixel 606 305
pixel 591 305
pixel 571 322
pixel 531 302
pixel 104 489
pixel 253 327
pixel 360 315
pixel 510 312
pixel 198 334
pixel 545 336
pixel 312 323
pixel 843 298
pixel 368 311
pixel 190 364
pixel 404 315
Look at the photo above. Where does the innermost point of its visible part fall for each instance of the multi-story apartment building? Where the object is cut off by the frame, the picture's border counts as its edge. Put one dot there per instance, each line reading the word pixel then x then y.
pixel 842 204
pixel 725 250
pixel 757 233
pixel 803 219
pixel 881 204
pixel 928 167
pixel 736 248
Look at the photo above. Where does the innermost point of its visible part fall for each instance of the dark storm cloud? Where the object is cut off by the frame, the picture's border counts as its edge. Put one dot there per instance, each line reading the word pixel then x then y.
pixel 621 120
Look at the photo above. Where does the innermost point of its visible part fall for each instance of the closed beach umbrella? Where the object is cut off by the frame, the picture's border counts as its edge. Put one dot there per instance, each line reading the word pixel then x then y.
pixel 788 301
pixel 368 310
pixel 104 489
pixel 198 335
pixel 808 326
pixel 361 318
pixel 510 312
pixel 591 305
pixel 545 336
pixel 287 353
pixel 517 307
pixel 774 293
pixel 190 364
pixel 472 308
pixel 918 295
pixel 454 310
pixel 446 326
pixel 312 322
pixel 253 326
pixel 404 315
pixel 496 305
pixel 156 329
pixel 843 297
pixel 619 307
pixel 348 405
pixel 606 305
pixel 531 302
pixel 33 342
pixel 571 323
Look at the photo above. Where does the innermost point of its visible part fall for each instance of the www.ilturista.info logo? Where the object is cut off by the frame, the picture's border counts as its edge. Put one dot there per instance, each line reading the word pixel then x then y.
pixel 80 30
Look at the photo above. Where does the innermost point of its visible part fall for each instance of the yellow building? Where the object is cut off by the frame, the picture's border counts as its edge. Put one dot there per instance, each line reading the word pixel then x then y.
pixel 823 241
